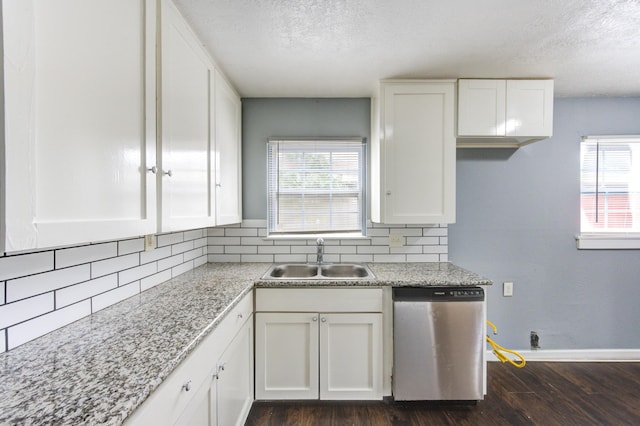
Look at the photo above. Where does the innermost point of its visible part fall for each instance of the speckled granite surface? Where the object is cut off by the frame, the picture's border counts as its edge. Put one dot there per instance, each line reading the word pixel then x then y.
pixel 396 275
pixel 100 369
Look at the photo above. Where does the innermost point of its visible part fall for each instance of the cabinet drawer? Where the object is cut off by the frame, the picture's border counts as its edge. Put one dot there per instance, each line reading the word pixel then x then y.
pixel 318 300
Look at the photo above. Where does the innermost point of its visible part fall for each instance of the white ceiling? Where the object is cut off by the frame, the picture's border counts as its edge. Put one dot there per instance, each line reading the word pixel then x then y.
pixel 341 48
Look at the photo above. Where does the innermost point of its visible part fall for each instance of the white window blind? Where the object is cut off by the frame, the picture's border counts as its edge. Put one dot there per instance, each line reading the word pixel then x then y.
pixel 610 184
pixel 316 186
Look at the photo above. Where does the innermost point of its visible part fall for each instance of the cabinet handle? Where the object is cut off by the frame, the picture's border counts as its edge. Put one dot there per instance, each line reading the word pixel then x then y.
pixel 324 319
pixel 219 185
pixel 187 386
pixel 168 173
pixel 153 169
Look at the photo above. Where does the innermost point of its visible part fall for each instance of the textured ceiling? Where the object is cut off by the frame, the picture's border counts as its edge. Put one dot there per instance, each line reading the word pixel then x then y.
pixel 341 48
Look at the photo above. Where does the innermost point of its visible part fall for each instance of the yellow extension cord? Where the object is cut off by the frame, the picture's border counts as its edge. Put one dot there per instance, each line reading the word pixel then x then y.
pixel 499 350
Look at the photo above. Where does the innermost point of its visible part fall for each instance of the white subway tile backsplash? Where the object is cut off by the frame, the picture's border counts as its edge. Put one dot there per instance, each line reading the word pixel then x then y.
pixel 25 264
pixel 155 279
pixel 182 247
pixel 85 254
pixel 241 232
pixel 255 258
pixel 44 324
pixel 274 250
pixel 303 249
pixel 111 297
pixel 380 241
pixel 289 258
pixel 130 246
pixel 224 241
pixel 255 241
pixel 356 242
pixel 405 250
pixel 408 232
pixel 373 249
pixel 109 266
pixel 240 249
pixel 170 262
pixel 215 232
pixel 75 293
pixel 16 312
pixel 49 289
pixel 389 258
pixel 444 241
pixel 444 258
pixel 195 253
pixel 340 249
pixel 435 249
pixel 199 261
pixel 215 249
pixel 156 254
pixel 378 232
pixel 357 258
pixel 435 232
pixel 3 341
pixel 423 258
pixel 423 241
pixel 194 234
pixel 168 239
pixel 298 242
pixel 224 258
pixel 254 223
pixel 21 288
pixel 137 273
pixel 181 268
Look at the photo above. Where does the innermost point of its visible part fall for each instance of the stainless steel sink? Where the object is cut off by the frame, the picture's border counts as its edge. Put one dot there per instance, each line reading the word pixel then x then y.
pixel 329 271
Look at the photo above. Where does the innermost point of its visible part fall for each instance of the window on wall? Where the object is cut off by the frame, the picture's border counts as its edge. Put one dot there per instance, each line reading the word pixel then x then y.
pixel 316 186
pixel 610 192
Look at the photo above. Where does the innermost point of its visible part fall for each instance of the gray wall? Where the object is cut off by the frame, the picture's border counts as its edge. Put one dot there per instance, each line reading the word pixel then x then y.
pixel 299 117
pixel 517 216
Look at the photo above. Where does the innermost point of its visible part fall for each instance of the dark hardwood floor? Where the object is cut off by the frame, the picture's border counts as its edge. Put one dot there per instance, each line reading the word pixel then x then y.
pixel 541 393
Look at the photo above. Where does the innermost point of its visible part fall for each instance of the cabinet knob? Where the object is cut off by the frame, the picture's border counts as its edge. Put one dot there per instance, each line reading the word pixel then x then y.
pixel 324 319
pixel 219 185
pixel 153 169
pixel 168 173
pixel 315 318
pixel 239 316
pixel 388 192
pixel 187 386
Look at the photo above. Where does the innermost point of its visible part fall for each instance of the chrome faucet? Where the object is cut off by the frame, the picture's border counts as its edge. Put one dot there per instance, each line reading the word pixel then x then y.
pixel 320 250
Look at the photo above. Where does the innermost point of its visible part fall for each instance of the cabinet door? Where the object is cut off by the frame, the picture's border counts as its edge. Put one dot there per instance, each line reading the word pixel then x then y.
pixel 419 153
pixel 481 107
pixel 529 108
pixel 185 159
pixel 286 356
pixel 201 408
pixel 228 157
pixel 235 379
pixel 351 356
pixel 80 121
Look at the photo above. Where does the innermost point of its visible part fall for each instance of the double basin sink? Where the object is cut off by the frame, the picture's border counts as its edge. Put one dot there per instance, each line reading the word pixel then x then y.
pixel 309 271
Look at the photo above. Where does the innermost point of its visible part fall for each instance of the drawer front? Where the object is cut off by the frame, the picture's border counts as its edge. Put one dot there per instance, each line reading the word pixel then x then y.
pixel 319 300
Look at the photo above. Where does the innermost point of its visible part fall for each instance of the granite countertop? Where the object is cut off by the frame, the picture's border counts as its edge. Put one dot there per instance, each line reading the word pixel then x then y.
pixel 102 367
pixel 395 275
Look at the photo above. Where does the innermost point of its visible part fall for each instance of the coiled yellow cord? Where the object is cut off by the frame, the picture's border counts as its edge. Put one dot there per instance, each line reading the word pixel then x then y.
pixel 498 350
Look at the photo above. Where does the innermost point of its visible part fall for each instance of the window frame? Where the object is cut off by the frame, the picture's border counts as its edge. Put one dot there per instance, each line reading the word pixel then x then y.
pixel 362 193
pixel 606 239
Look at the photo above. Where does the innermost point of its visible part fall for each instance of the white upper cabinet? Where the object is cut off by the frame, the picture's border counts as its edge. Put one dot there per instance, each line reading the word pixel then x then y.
pixel 414 157
pixel 185 146
pixel 228 154
pixel 504 113
pixel 80 121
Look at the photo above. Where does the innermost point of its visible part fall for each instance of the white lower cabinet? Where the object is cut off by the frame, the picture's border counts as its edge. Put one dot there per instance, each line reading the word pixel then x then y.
pixel 214 384
pixel 333 353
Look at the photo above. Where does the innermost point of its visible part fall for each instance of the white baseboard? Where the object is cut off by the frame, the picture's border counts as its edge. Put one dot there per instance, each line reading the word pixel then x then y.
pixel 576 355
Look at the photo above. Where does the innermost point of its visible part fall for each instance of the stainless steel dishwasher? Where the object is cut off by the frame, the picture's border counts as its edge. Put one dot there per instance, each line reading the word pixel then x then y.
pixel 438 343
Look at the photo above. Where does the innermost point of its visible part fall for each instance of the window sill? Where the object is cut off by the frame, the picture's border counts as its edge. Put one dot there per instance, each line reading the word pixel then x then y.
pixel 608 241
pixel 332 236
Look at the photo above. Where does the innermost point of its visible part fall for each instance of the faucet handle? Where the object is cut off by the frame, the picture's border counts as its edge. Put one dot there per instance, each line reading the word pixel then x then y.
pixel 320 241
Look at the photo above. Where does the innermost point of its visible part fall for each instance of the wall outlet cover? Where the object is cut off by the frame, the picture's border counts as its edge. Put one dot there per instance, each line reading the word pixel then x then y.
pixel 150 242
pixel 507 288
pixel 396 240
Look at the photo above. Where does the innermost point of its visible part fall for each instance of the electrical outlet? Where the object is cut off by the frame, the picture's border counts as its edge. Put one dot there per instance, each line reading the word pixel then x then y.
pixel 507 288
pixel 150 242
pixel 534 340
pixel 396 240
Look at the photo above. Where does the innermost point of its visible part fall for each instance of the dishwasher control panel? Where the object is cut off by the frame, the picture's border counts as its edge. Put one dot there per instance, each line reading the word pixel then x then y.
pixel 448 294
